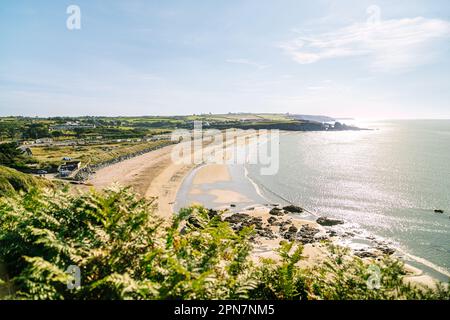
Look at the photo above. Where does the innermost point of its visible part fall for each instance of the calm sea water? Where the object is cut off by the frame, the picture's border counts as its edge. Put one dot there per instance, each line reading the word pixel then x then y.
pixel 387 181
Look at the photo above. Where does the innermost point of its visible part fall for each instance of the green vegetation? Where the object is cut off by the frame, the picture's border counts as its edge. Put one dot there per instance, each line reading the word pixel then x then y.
pixel 12 181
pixel 50 156
pixel 125 252
pixel 11 156
pixel 63 128
pixel 96 140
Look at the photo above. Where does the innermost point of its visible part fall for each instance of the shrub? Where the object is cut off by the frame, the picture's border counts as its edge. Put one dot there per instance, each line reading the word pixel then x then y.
pixel 124 251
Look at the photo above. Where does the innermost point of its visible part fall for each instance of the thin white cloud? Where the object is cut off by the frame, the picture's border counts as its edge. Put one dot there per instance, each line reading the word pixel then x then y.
pixel 315 88
pixel 247 62
pixel 390 45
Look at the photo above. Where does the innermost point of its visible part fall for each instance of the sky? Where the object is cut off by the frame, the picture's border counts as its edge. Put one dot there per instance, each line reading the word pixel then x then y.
pixel 361 59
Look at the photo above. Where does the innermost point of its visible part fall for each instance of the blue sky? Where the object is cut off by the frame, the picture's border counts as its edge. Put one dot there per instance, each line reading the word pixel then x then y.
pixel 364 59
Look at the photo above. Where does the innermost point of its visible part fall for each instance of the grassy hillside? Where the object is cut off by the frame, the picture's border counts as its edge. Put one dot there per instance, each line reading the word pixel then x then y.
pixel 90 154
pixel 12 180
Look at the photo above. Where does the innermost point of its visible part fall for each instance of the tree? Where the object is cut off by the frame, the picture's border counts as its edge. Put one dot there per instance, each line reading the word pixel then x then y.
pixel 11 156
pixel 56 134
pixel 11 129
pixel 36 131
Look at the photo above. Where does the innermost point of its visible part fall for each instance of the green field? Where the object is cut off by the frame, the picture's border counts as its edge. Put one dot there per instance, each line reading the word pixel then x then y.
pixel 90 154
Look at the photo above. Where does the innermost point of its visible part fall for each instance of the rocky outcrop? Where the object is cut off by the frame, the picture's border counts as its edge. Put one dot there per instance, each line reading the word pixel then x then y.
pixel 293 209
pixel 365 253
pixel 307 234
pixel 284 225
pixel 266 233
pixel 243 219
pixel 328 222
pixel 374 252
pixel 291 236
pixel 386 250
pixel 240 220
pixel 332 233
pixel 273 221
pixel 438 211
pixel 213 213
pixel 276 212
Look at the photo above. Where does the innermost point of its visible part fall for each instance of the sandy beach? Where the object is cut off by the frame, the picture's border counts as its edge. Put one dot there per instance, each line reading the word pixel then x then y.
pixel 156 175
pixel 152 175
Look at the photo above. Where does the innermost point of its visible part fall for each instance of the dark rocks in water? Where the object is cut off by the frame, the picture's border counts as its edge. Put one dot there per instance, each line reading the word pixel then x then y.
pixel 233 205
pixel 362 253
pixel 438 211
pixel 332 233
pixel 386 250
pixel 328 222
pixel 293 209
pixel 348 234
pixel 276 212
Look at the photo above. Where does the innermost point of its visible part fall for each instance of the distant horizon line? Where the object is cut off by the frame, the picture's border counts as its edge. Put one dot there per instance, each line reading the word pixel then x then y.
pixel 224 114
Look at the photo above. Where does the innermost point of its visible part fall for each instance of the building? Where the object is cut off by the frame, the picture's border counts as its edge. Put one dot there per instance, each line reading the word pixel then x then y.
pixel 43 141
pixel 68 167
pixel 70 125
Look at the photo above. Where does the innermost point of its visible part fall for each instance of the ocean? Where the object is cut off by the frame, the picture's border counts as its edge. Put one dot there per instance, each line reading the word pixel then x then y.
pixel 385 182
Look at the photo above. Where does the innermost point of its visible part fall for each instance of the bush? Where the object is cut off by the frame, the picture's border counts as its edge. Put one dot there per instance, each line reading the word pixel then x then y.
pixel 124 251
